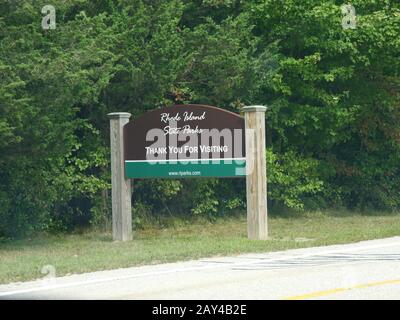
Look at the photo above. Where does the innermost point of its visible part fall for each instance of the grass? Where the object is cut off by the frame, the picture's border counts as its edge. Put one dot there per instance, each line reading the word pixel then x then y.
pixel 22 260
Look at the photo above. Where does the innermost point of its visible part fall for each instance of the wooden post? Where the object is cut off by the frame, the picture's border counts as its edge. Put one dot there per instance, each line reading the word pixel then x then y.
pixel 256 175
pixel 121 187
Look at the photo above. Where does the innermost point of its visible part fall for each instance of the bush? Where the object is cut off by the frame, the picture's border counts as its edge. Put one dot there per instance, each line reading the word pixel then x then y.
pixel 292 178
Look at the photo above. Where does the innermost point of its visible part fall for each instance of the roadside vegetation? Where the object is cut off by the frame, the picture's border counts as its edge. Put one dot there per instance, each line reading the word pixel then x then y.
pixel 171 239
pixel 333 135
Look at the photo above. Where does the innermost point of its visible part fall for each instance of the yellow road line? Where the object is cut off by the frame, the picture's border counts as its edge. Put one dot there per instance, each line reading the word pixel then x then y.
pixel 318 294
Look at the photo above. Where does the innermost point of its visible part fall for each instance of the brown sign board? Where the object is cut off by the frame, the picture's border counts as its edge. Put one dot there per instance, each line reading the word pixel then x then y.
pixel 185 141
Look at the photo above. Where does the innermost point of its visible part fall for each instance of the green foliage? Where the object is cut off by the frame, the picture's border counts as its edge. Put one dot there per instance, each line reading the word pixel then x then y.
pixel 333 97
pixel 292 178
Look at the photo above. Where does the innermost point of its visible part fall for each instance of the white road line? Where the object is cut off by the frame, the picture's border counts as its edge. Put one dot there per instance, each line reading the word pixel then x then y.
pixel 199 268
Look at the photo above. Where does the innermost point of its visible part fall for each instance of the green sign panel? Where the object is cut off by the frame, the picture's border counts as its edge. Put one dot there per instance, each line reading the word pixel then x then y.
pixel 185 169
pixel 185 141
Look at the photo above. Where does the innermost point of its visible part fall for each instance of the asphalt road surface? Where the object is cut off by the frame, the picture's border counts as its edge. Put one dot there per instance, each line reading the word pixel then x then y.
pixel 364 270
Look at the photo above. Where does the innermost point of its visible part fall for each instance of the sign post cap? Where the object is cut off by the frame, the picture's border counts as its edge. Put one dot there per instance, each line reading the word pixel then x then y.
pixel 254 109
pixel 119 115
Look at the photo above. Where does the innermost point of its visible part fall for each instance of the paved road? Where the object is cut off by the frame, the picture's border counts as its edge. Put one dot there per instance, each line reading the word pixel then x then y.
pixel 364 270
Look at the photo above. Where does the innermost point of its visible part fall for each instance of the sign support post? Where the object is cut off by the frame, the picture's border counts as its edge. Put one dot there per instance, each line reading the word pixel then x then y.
pixel 256 177
pixel 121 187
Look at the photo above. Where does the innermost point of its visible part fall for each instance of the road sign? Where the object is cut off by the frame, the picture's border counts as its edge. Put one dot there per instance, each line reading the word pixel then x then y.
pixel 189 141
pixel 185 141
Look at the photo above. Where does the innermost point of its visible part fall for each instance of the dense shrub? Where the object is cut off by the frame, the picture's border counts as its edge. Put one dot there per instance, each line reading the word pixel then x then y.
pixel 333 97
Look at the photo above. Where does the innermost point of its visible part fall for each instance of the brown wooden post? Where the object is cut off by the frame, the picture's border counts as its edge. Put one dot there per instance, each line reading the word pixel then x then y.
pixel 256 175
pixel 121 187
